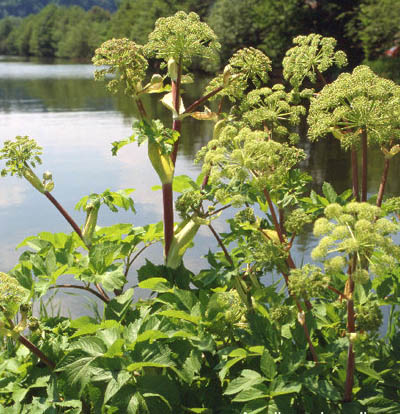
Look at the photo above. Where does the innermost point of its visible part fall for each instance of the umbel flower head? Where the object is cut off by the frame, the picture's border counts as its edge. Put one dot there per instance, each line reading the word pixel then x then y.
pixel 12 295
pixel 272 108
pixel 240 155
pixel 124 59
pixel 312 54
pixel 182 37
pixel 356 102
pixel 248 67
pixel 354 229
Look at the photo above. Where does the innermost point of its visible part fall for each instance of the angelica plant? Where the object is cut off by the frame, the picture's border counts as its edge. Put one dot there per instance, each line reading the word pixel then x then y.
pixel 310 58
pixel 352 234
pixel 360 109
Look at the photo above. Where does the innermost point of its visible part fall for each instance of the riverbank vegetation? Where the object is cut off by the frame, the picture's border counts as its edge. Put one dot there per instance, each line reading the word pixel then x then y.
pixel 225 338
pixel 363 28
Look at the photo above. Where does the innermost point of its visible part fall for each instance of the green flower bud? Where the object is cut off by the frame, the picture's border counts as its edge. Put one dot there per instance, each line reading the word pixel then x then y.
pixel 360 276
pixel 33 179
pixel 92 211
pixel 335 264
pixel 322 226
pixel 47 176
pixel 368 317
pixel 333 211
pixel 173 69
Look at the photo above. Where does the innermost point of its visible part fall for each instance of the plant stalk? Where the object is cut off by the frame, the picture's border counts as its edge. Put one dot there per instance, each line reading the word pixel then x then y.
pixel 354 170
pixel 35 350
pixel 364 143
pixel 88 289
pixel 168 216
pixel 67 217
pixel 351 328
pixel 382 185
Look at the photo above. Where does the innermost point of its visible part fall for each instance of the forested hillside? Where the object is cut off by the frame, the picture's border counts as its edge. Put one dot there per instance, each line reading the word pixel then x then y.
pixel 22 8
pixel 73 28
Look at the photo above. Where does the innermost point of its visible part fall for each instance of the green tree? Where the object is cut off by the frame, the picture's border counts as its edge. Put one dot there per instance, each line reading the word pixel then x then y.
pixel 266 24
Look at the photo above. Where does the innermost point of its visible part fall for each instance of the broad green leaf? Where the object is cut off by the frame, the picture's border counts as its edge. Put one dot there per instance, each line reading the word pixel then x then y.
pixel 329 192
pixel 183 182
pixel 156 284
pixel 245 381
pixel 115 385
pixel 267 365
pixel 255 392
pixel 180 315
pixel 367 370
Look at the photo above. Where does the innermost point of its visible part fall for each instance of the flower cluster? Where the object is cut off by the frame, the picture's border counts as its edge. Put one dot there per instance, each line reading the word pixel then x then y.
pixel 247 67
pixel 354 229
pixel 182 37
pixel 308 282
pixel 356 102
pixel 272 108
pixel 124 59
pixel 12 295
pixel 312 54
pixel 20 154
pixel 240 155
pixel 368 316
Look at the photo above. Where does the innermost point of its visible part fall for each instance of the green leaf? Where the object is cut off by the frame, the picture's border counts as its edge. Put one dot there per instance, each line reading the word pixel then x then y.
pixel 115 384
pixel 113 278
pixel 183 182
pixel 329 192
pixel 367 370
pixel 254 392
pixel 267 365
pixel 118 307
pixel 245 381
pixel 156 284
pixel 281 389
pixel 180 315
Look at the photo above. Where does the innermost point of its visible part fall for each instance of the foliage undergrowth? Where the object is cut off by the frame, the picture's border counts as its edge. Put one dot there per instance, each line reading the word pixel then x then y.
pixel 219 339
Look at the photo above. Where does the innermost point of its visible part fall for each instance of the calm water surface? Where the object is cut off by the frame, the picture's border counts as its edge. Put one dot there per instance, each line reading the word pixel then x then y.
pixel 75 120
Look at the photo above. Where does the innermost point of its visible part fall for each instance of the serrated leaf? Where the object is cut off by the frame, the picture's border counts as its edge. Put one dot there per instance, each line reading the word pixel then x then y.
pixel 183 182
pixel 115 384
pixel 180 315
pixel 157 284
pixel 329 192
pixel 267 365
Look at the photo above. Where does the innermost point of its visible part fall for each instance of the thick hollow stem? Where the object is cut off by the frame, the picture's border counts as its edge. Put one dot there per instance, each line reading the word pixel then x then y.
pixel 67 217
pixel 176 124
pixel 168 205
pixel 383 182
pixel 35 350
pixel 354 170
pixel 364 165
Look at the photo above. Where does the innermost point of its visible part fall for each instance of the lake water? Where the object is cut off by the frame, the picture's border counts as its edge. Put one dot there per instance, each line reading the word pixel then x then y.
pixel 75 120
